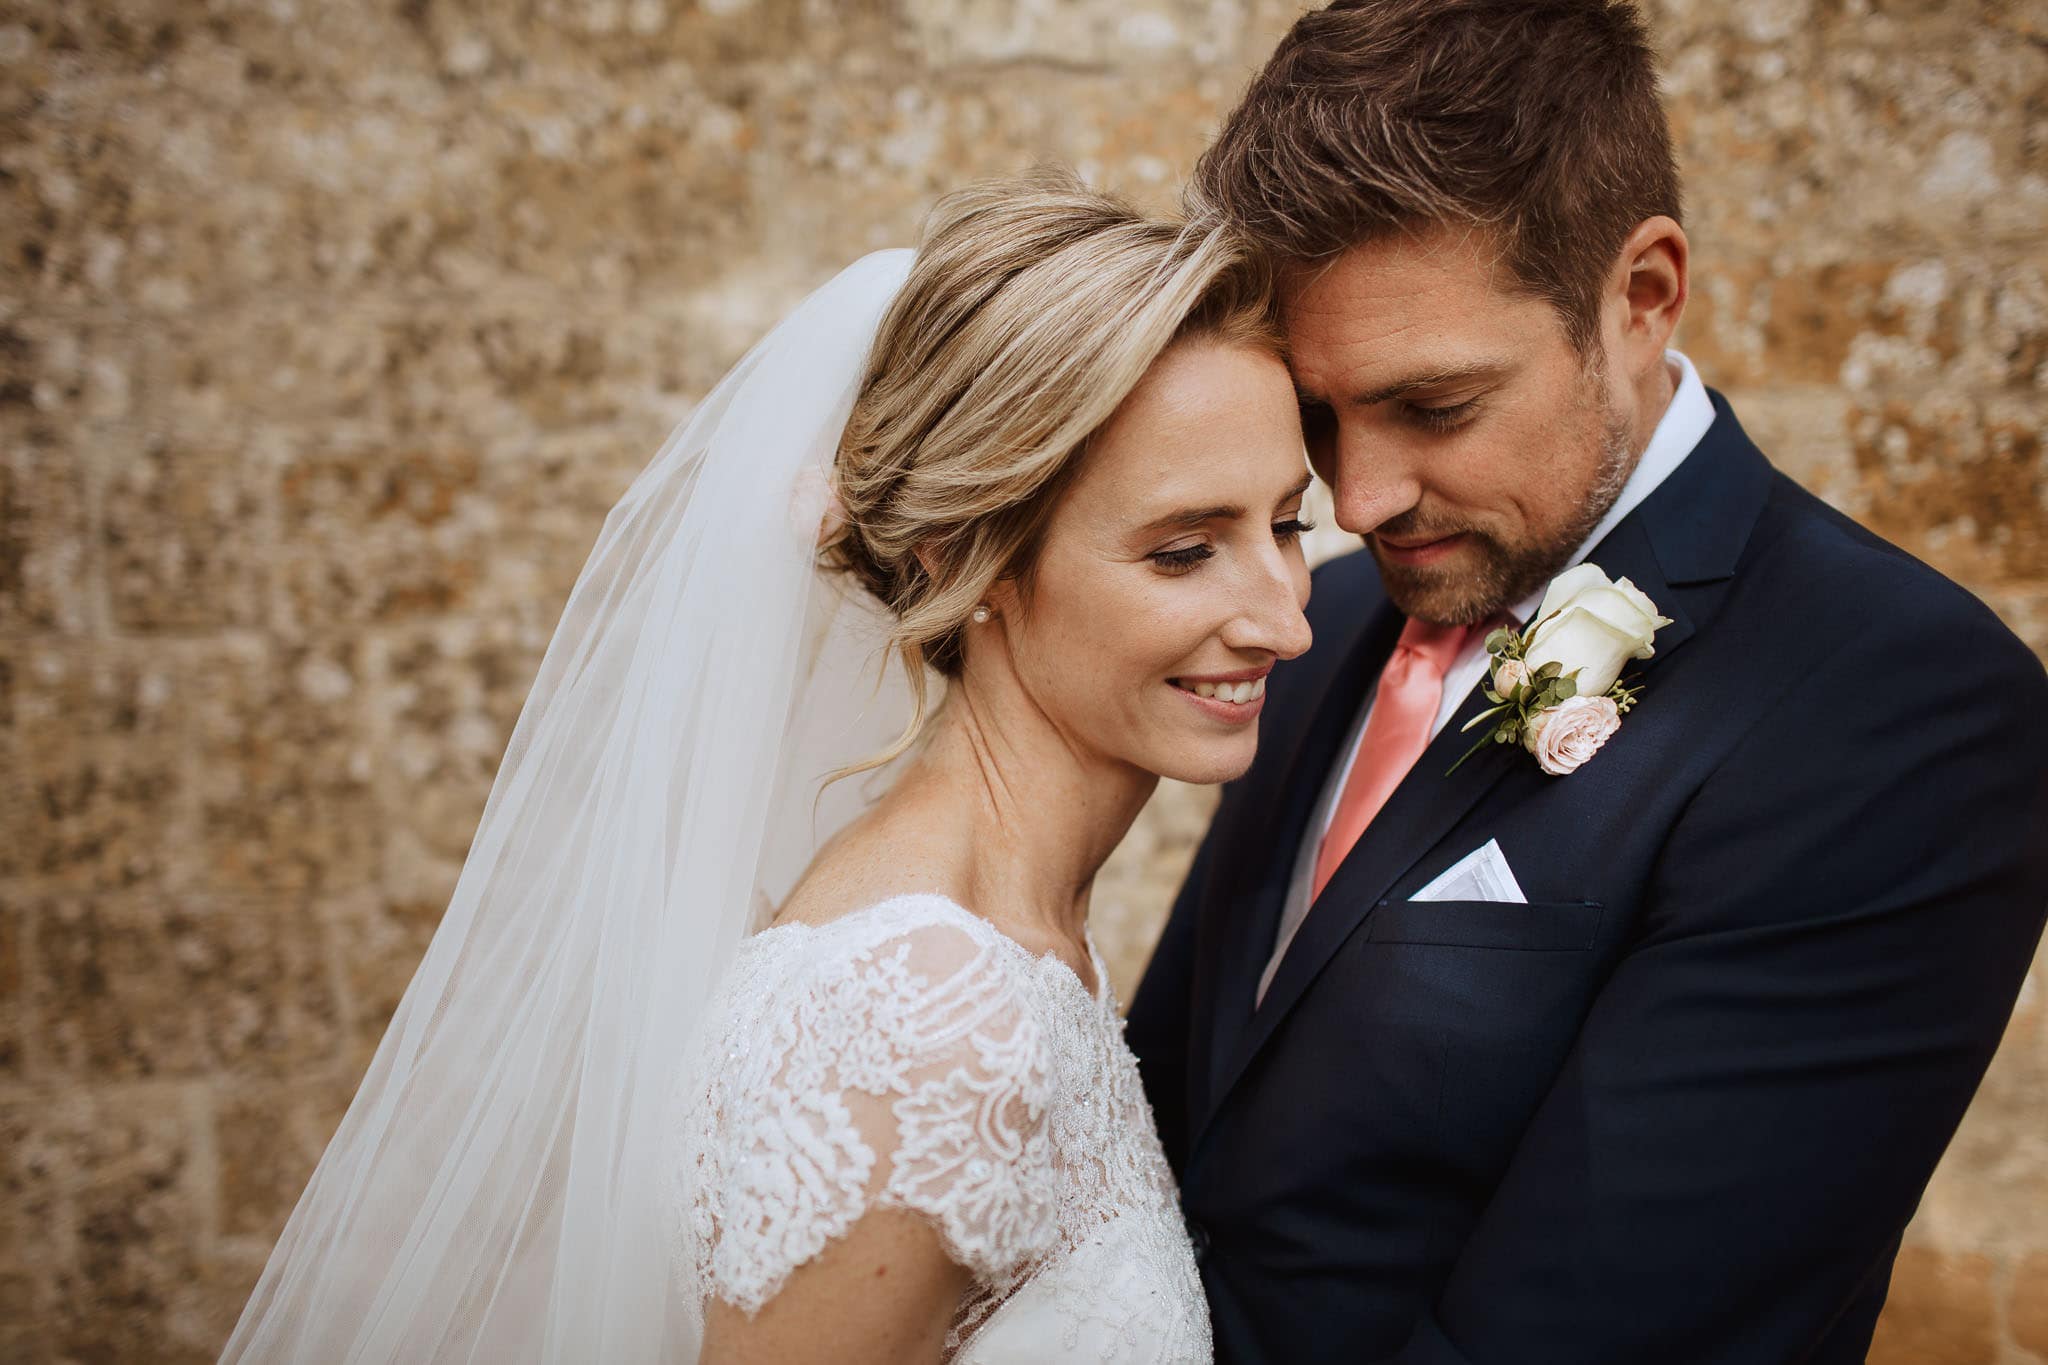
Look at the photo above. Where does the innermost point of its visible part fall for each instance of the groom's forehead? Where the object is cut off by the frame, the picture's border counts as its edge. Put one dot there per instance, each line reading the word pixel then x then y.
pixel 1409 269
pixel 1391 316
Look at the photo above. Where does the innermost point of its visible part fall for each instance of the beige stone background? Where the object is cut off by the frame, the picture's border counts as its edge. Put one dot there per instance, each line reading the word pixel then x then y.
pixel 329 330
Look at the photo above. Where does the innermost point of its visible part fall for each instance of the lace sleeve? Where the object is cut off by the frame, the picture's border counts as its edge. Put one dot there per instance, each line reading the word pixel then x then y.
pixel 910 1074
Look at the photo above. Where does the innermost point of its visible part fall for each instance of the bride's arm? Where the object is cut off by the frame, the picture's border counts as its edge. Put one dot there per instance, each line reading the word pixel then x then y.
pixel 885 1293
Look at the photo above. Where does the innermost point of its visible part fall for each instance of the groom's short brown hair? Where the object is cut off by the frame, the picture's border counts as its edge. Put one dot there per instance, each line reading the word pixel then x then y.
pixel 1536 119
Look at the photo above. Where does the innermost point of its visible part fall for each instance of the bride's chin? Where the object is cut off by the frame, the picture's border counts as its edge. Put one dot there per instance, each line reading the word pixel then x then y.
pixel 1209 765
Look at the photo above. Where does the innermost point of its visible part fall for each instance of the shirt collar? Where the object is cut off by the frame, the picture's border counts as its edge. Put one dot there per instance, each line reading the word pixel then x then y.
pixel 1685 420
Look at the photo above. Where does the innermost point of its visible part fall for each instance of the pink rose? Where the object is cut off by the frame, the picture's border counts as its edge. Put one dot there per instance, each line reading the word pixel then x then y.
pixel 1508 675
pixel 1569 733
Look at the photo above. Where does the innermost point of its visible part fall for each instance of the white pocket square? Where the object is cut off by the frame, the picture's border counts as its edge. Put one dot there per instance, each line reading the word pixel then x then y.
pixel 1481 875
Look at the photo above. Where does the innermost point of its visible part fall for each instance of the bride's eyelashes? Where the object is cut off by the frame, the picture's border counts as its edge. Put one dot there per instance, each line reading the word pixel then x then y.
pixel 1185 557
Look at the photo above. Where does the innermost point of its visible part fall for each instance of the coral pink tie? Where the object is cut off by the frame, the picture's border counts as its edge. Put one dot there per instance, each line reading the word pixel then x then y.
pixel 1403 712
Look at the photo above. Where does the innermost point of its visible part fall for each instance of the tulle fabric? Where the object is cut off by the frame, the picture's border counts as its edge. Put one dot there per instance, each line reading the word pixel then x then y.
pixel 490 1195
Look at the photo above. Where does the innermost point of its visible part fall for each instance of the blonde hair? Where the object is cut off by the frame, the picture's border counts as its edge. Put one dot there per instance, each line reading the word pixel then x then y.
pixel 1033 308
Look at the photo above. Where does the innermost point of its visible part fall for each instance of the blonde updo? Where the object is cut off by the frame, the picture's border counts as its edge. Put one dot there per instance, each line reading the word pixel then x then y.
pixel 1033 308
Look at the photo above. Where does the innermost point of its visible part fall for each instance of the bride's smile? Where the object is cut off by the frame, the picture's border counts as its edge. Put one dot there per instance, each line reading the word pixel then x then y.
pixel 1231 701
pixel 1171 578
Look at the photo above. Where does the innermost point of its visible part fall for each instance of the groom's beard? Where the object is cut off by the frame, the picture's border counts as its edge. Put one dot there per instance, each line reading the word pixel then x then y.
pixel 1507 572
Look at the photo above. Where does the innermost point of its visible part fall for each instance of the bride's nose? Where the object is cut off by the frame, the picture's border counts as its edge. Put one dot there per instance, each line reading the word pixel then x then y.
pixel 1269 615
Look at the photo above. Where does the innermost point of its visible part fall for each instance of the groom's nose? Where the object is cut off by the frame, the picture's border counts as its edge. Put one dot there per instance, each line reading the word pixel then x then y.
pixel 1372 486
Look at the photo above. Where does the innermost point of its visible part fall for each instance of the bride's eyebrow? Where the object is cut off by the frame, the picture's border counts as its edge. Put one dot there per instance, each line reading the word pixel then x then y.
pixel 1222 511
pixel 1192 516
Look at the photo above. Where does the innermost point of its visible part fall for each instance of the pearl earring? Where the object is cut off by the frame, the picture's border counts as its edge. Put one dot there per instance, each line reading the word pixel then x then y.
pixel 981 614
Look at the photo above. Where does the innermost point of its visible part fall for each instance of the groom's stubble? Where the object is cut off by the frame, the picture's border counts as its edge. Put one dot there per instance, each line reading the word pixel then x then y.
pixel 1508 571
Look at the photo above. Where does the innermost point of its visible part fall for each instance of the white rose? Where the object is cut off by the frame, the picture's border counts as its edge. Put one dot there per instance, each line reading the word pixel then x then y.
pixel 1567 734
pixel 1509 675
pixel 1593 626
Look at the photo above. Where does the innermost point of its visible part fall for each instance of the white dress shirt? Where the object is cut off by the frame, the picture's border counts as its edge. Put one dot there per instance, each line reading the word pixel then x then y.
pixel 1684 422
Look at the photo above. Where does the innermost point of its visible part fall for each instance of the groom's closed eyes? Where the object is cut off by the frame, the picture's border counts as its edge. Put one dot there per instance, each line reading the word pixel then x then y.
pixel 1438 398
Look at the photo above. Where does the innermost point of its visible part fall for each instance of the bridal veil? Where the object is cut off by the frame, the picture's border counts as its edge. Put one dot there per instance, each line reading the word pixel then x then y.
pixel 490 1195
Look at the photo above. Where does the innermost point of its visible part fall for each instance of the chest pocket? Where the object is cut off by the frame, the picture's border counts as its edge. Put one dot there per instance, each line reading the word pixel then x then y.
pixel 1500 991
pixel 1542 926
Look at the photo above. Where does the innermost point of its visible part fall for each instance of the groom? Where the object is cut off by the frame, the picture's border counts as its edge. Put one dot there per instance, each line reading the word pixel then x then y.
pixel 1637 1051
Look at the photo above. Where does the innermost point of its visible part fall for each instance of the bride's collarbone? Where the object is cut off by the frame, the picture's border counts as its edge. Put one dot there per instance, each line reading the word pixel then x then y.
pixel 817 903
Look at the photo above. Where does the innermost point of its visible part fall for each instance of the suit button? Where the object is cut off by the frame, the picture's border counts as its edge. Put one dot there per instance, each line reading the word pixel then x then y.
pixel 1199 1235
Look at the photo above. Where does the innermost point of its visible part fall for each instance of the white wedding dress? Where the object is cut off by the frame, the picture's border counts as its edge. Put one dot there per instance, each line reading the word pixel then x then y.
pixel 911 1055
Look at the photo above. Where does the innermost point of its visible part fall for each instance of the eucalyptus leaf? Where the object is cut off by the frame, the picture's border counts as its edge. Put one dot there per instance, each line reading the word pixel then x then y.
pixel 1489 711
pixel 1483 742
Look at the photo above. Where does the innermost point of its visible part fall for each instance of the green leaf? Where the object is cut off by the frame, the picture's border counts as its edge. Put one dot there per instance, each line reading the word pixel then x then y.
pixel 1484 740
pixel 1489 711
pixel 1567 688
pixel 1498 640
pixel 1549 671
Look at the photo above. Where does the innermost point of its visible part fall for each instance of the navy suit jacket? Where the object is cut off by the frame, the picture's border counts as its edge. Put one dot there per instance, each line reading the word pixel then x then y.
pixel 1679 1106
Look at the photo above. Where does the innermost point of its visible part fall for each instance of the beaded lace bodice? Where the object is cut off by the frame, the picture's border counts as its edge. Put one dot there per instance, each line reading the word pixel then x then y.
pixel 911 1055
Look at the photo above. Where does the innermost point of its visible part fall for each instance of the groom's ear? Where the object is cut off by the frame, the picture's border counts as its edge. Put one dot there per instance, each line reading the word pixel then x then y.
pixel 1646 292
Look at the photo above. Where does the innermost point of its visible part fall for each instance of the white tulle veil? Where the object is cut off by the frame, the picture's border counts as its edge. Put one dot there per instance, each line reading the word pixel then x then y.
pixel 493 1192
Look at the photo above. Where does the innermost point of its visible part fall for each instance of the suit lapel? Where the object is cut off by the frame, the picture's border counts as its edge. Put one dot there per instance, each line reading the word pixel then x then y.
pixel 1422 809
pixel 1240 936
pixel 1689 531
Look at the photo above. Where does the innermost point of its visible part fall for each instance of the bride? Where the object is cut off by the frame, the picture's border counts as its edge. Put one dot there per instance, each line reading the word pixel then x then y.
pixel 1051 465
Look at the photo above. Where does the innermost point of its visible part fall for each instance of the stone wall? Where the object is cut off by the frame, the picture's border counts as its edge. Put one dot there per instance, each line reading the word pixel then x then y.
pixel 328 332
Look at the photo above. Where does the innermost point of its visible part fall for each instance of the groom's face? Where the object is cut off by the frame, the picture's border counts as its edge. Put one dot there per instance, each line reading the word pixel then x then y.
pixel 1463 435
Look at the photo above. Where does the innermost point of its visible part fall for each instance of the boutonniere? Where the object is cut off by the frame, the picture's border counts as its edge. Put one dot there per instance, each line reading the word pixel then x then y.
pixel 1556 687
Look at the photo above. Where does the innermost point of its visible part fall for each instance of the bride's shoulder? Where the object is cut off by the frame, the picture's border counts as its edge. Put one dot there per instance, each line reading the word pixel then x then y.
pixel 853 1053
pixel 904 944
pixel 855 914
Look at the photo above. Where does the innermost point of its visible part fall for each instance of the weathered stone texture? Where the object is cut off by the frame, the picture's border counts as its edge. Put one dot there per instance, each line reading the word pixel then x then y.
pixel 266 1139
pixel 43 542
pixel 280 769
pixel 138 988
pixel 106 1207
pixel 329 332
pixel 2027 1305
pixel 90 735
pixel 186 536
pixel 1941 1309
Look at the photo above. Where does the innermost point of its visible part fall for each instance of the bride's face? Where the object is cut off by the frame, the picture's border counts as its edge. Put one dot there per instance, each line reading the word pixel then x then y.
pixel 1172 567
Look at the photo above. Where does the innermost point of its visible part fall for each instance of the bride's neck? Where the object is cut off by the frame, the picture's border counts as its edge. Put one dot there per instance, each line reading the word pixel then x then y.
pixel 1028 816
